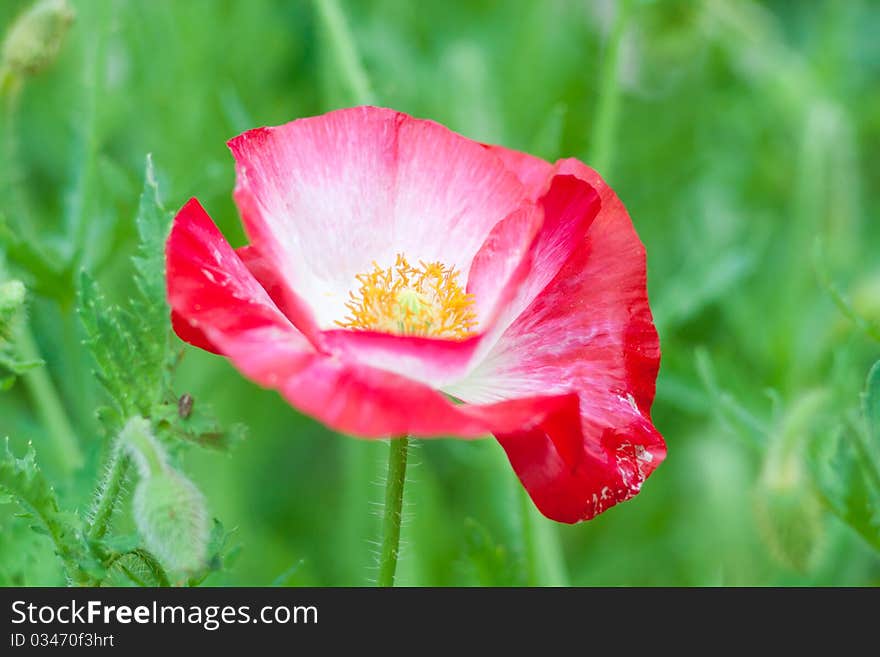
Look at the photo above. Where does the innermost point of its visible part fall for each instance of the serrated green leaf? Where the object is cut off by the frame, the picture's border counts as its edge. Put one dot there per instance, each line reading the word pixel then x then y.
pixel 846 473
pixel 23 480
pixel 135 566
pixel 131 344
pixel 153 224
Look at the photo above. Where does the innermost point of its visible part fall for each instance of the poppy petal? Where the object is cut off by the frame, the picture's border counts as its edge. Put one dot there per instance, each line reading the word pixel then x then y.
pixel 588 329
pixel 212 291
pixel 323 198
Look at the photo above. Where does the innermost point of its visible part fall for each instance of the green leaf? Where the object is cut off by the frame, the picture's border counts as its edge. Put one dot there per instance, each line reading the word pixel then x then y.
pixel 850 493
pixel 153 224
pixel 23 480
pixel 126 366
pixel 131 344
pixel 846 468
pixel 135 566
pixel 222 553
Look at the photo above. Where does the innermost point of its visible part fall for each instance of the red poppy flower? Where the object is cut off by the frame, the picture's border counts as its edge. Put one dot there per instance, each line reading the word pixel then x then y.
pixel 404 280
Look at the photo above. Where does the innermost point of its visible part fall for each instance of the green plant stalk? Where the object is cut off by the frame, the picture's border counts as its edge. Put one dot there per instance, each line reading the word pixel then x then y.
pixel 542 551
pixel 391 521
pixel 107 495
pixel 342 44
pixel 49 406
pixel 527 534
pixel 607 108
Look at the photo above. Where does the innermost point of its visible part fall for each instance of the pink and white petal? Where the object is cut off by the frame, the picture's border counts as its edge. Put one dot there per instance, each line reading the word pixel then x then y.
pixel 523 251
pixel 208 284
pixel 533 172
pixel 504 256
pixel 211 291
pixel 438 362
pixel 324 197
pixel 569 205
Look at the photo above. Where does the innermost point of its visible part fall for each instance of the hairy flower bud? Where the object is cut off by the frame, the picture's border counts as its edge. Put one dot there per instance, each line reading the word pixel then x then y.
pixel 35 38
pixel 169 510
pixel 170 514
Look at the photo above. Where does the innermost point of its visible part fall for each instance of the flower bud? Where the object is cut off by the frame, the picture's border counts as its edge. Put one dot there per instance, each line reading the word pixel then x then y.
pixel 169 510
pixel 788 513
pixel 170 515
pixel 789 516
pixel 35 38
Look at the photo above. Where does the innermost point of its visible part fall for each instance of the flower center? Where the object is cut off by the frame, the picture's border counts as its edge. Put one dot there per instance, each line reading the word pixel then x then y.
pixel 426 300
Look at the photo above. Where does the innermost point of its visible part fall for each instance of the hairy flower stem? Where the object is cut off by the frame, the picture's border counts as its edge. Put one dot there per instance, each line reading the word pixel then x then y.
pixel 49 407
pixel 605 122
pixel 108 492
pixel 393 510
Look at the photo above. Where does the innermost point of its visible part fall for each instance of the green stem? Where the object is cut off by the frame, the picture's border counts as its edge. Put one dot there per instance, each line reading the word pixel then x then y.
pixel 542 550
pixel 527 534
pixel 342 45
pixel 107 495
pixel 393 510
pixel 605 123
pixel 49 406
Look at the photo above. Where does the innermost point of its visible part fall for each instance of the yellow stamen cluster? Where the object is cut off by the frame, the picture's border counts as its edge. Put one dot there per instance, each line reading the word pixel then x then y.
pixel 426 300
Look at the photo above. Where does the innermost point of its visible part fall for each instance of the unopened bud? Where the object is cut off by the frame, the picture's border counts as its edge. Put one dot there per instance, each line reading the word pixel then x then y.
pixel 169 510
pixel 170 515
pixel 788 512
pixel 789 516
pixel 35 38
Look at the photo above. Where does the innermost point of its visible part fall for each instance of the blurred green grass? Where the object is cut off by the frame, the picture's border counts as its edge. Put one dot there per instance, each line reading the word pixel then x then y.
pixel 743 135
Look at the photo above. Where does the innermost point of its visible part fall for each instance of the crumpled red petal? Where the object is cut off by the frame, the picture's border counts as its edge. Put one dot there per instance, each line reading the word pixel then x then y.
pixel 587 329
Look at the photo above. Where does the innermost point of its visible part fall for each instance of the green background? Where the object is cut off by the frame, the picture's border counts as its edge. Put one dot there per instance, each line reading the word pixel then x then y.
pixel 742 137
